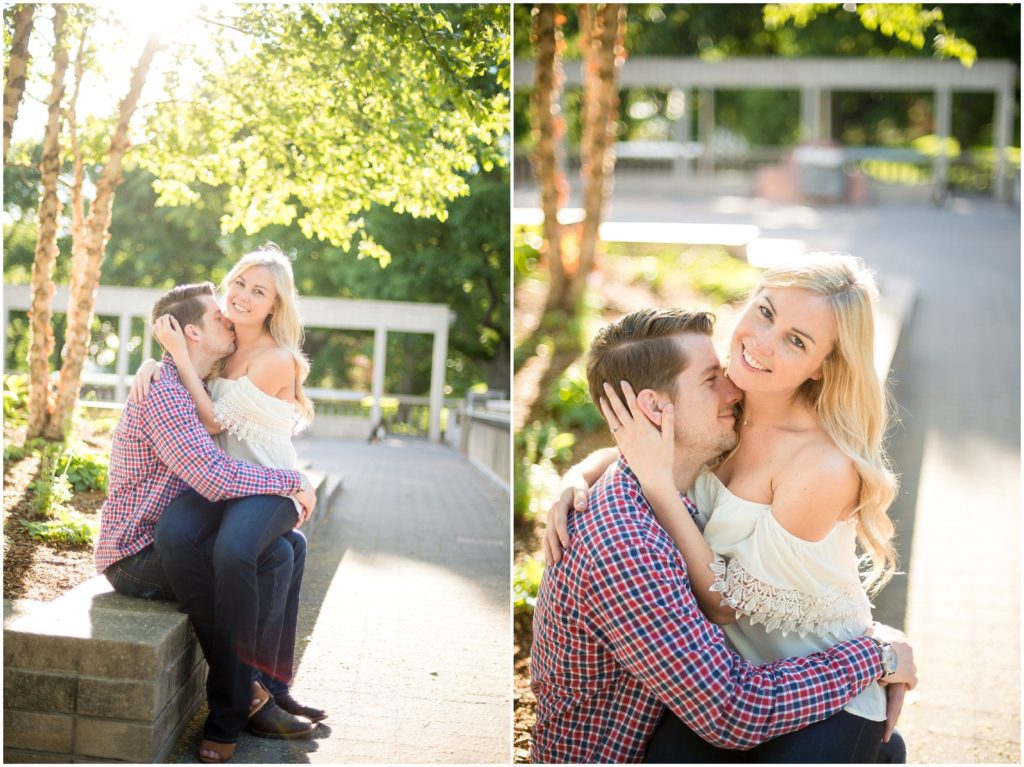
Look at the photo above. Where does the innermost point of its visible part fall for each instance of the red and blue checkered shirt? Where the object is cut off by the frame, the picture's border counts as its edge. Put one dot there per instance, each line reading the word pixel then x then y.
pixel 159 449
pixel 618 635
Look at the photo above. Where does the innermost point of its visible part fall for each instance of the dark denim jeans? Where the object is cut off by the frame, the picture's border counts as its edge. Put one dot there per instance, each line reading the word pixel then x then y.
pixel 842 738
pixel 234 575
pixel 141 575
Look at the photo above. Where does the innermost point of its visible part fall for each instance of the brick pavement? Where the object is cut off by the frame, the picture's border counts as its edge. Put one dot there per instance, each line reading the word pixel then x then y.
pixel 405 629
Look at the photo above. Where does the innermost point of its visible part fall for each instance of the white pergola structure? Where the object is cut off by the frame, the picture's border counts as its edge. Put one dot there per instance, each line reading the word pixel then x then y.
pixel 331 313
pixel 815 79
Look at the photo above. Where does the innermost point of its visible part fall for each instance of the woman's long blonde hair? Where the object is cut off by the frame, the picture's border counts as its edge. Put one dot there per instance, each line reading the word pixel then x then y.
pixel 851 403
pixel 283 322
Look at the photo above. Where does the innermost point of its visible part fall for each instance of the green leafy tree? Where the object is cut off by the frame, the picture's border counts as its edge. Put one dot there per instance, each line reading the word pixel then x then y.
pixel 315 113
pixel 910 23
pixel 462 262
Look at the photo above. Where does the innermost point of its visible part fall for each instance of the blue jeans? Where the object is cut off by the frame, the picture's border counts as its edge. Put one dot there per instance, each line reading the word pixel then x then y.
pixel 842 738
pixel 215 558
pixel 141 575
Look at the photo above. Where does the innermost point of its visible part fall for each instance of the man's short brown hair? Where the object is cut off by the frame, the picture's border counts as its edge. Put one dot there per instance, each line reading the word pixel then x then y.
pixel 643 348
pixel 184 303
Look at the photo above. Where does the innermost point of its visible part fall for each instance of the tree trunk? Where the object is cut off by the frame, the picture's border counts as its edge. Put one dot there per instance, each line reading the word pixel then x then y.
pixel 41 345
pixel 17 65
pixel 83 297
pixel 602 28
pixel 78 171
pixel 548 127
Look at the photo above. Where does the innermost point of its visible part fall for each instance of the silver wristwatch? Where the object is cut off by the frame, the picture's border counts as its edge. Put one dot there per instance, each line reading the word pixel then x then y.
pixel 888 656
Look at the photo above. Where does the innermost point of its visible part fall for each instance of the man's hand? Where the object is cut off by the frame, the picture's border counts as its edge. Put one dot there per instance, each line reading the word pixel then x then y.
pixel 307 499
pixel 148 371
pixel 556 535
pixel 894 694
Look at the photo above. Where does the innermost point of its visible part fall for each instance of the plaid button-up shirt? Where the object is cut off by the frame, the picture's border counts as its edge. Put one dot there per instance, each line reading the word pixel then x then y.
pixel 159 449
pixel 618 635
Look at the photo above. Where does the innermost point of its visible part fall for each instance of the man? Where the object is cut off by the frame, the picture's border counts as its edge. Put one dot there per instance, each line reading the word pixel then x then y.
pixel 618 635
pixel 161 455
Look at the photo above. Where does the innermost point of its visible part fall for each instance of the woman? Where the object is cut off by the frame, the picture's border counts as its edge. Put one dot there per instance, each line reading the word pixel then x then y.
pixel 784 511
pixel 254 404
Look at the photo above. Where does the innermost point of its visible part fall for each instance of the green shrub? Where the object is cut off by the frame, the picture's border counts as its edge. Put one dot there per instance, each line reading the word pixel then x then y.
pixel 526 584
pixel 85 469
pixel 526 249
pixel 570 402
pixel 14 453
pixel 51 488
pixel 718 275
pixel 65 527
pixel 15 400
pixel 538 447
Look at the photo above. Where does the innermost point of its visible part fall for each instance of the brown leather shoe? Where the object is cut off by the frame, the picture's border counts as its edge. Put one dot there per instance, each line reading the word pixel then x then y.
pixel 274 722
pixel 292 706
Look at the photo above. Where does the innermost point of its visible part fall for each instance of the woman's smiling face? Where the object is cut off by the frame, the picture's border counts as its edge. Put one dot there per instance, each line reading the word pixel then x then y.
pixel 781 340
pixel 250 297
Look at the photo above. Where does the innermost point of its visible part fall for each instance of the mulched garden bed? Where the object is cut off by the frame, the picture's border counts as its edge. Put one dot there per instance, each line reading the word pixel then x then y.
pixel 44 570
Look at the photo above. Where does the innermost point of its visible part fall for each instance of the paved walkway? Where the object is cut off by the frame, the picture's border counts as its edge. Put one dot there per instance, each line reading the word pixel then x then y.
pixel 958 448
pixel 405 628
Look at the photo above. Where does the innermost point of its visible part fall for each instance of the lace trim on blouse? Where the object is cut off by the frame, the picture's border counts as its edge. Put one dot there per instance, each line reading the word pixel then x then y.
pixel 243 411
pixel 787 609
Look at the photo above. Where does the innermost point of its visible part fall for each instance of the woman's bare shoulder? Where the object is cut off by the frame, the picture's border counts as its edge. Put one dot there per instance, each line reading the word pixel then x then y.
pixel 818 487
pixel 273 371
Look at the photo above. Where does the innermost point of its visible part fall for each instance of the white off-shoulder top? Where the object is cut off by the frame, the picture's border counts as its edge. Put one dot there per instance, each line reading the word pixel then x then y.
pixel 257 427
pixel 793 597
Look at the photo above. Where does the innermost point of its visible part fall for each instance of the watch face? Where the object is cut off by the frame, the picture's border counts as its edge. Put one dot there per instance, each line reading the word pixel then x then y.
pixel 889 660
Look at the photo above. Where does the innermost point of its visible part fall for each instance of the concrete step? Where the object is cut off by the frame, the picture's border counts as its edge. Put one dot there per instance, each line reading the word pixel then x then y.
pixel 897 298
pixel 95 675
pixel 327 486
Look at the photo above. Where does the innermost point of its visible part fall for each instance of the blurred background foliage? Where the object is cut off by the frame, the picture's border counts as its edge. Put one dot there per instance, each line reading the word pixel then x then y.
pixel 771 118
pixel 459 262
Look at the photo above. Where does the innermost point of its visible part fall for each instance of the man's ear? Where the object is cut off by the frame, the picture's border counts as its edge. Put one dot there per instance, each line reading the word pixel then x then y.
pixel 192 332
pixel 650 403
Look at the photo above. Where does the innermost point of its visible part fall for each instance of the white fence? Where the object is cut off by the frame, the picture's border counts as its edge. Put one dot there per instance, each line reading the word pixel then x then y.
pixel 333 313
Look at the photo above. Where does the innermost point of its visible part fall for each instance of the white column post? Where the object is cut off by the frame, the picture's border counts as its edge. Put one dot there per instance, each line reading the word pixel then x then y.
pixel 943 125
pixel 147 338
pixel 706 131
pixel 810 114
pixel 1003 127
pixel 438 368
pixel 681 135
pixel 124 332
pixel 380 351
pixel 825 114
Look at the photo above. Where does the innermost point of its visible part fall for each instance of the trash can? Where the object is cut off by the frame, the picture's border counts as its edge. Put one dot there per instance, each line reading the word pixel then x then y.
pixel 821 173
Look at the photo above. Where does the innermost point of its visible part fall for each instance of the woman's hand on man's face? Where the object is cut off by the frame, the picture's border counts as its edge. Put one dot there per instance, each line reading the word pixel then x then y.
pixel 649 449
pixel 168 332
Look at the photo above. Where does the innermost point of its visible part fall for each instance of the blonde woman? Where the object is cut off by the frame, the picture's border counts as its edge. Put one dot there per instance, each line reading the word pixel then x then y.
pixel 783 513
pixel 254 404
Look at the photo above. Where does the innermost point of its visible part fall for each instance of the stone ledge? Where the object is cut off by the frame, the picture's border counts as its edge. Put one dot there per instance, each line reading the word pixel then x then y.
pixel 92 665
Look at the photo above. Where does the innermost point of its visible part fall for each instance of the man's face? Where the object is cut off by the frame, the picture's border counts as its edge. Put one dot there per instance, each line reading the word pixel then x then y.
pixel 217 335
pixel 704 399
